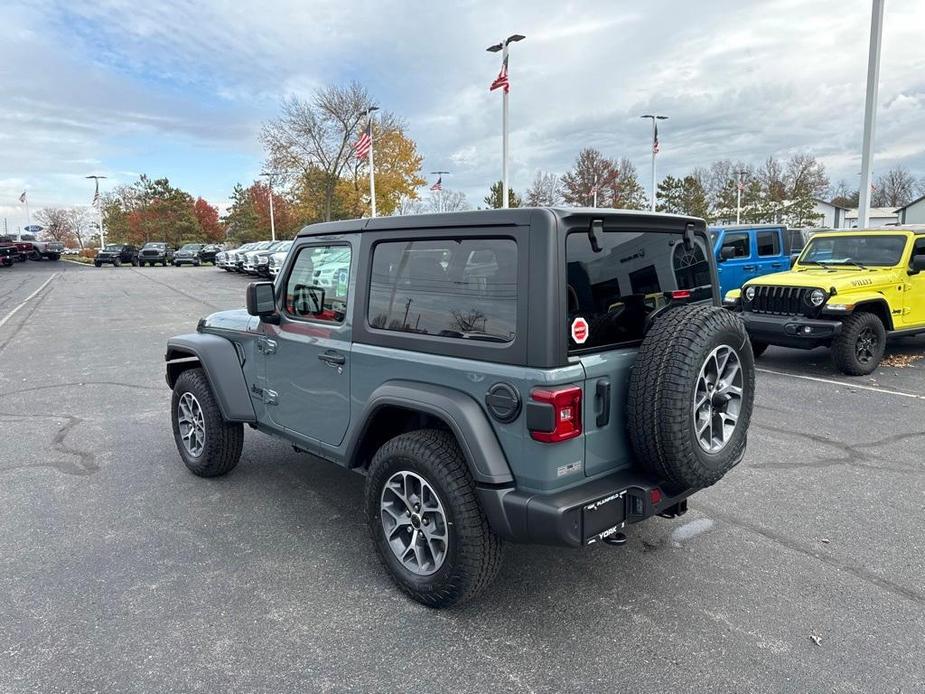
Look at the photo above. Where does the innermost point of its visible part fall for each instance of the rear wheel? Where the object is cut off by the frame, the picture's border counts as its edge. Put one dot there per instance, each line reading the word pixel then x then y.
pixel 690 396
pixel 426 522
pixel 98 263
pixel 208 445
pixel 858 349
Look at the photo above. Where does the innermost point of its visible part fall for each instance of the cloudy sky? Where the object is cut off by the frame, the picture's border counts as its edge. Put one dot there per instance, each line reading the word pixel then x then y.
pixel 179 88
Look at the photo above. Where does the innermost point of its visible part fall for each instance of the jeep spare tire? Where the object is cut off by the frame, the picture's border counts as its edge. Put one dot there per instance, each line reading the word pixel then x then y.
pixel 690 396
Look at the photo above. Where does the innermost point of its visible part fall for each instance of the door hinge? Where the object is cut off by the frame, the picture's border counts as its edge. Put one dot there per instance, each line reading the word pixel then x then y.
pixel 266 345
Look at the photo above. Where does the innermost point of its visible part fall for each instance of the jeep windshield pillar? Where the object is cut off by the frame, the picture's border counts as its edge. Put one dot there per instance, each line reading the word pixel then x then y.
pixel 546 376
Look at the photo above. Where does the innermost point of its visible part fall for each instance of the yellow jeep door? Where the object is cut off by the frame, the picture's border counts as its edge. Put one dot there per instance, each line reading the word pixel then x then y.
pixel 914 292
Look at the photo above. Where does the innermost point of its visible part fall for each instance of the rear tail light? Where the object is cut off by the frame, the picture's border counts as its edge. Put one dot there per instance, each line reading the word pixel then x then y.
pixel 681 294
pixel 565 422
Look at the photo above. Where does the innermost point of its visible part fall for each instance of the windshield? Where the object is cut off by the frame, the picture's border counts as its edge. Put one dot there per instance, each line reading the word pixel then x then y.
pixel 285 246
pixel 155 245
pixel 854 250
pixel 113 247
pixel 191 247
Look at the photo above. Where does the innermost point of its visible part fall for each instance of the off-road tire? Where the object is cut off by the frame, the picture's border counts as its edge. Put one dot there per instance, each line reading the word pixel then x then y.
pixel 473 554
pixel 844 346
pixel 97 263
pixel 54 256
pixel 758 348
pixel 117 263
pixel 662 388
pixel 223 440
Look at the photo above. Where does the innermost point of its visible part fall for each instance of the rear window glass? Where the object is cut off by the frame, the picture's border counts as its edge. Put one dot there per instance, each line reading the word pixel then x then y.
pixel 463 289
pixel 617 289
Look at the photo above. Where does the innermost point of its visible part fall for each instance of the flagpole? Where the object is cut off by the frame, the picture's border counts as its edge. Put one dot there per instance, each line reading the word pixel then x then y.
pixel 98 201
pixel 503 47
pixel 655 117
pixel 505 202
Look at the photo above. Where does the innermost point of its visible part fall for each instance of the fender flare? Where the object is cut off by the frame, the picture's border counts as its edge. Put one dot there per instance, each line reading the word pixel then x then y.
pixel 459 411
pixel 219 360
pixel 867 300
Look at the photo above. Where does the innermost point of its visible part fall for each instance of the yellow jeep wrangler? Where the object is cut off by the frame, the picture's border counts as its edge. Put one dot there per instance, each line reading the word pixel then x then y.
pixel 847 290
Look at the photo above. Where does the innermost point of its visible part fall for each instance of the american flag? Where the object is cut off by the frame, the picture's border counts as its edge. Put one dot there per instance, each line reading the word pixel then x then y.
pixel 22 198
pixel 438 186
pixel 501 80
pixel 655 141
pixel 364 144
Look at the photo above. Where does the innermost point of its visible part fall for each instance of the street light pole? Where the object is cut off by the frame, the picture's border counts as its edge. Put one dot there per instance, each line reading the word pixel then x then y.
pixel 503 47
pixel 739 197
pixel 870 112
pixel 655 117
pixel 99 209
pixel 269 176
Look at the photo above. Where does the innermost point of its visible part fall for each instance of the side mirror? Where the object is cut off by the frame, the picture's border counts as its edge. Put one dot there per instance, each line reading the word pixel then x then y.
pixel 726 253
pixel 261 301
pixel 918 263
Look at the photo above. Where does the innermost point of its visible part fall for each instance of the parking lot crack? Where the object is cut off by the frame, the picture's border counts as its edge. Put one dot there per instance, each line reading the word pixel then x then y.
pixel 86 461
pixel 853 456
pixel 830 560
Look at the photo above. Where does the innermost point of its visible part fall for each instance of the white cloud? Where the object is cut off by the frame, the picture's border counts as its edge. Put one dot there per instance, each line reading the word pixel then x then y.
pixel 180 89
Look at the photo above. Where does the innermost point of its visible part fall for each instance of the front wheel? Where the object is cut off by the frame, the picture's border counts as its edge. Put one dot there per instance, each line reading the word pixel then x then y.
pixel 54 256
pixel 208 445
pixel 97 263
pixel 858 349
pixel 425 520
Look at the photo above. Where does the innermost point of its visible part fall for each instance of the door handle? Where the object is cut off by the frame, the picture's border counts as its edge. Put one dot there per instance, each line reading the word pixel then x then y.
pixel 333 358
pixel 777 265
pixel 749 268
pixel 602 394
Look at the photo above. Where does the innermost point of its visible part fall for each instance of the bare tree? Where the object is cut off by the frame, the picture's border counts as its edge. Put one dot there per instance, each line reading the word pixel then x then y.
pixel 446 201
pixel 545 191
pixel 64 224
pixel 592 169
pixel 895 188
pixel 317 135
pixel 408 205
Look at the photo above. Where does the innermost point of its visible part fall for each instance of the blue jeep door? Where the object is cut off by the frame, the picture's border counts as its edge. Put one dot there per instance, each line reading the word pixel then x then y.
pixel 735 271
pixel 770 258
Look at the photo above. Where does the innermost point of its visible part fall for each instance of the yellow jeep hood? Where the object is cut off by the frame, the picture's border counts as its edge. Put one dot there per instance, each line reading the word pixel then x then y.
pixel 843 280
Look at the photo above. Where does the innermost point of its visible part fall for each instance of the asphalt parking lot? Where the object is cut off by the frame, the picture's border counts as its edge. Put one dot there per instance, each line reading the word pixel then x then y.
pixel 803 570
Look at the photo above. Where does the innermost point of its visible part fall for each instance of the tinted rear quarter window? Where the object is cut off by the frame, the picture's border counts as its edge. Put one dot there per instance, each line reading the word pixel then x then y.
pixel 768 243
pixel 633 276
pixel 458 289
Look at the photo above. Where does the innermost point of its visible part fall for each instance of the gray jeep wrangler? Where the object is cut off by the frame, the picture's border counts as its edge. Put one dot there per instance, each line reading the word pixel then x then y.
pixel 531 375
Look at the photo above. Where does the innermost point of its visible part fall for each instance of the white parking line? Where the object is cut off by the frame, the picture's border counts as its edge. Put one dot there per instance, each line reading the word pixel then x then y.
pixel 27 300
pixel 843 383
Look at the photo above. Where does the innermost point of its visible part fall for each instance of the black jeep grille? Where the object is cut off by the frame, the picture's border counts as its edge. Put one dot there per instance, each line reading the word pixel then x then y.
pixel 781 301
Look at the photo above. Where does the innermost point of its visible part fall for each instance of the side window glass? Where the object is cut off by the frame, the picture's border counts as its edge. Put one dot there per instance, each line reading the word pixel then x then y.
pixel 317 285
pixel 463 289
pixel 768 243
pixel 739 243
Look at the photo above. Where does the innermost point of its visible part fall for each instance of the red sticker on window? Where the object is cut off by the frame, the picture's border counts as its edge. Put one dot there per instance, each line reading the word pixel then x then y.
pixel 580 330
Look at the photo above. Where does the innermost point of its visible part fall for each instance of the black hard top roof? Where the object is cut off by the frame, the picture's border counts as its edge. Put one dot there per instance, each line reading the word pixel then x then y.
pixel 520 216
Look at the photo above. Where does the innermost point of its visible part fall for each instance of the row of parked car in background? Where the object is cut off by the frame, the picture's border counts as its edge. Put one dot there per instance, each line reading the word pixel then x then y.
pixel 259 259
pixel 17 248
pixel 156 253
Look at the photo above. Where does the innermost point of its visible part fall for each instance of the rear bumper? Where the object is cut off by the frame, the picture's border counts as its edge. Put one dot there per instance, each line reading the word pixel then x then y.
pixel 581 515
pixel 790 331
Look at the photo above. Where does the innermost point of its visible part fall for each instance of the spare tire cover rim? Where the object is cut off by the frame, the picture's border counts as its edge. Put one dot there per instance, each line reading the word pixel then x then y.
pixel 718 399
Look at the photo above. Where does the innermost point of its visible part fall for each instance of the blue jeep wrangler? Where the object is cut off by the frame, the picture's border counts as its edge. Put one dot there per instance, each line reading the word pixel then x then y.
pixel 746 251
pixel 530 375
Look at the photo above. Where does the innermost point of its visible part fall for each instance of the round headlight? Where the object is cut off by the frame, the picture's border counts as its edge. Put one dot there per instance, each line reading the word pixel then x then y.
pixel 749 293
pixel 816 297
